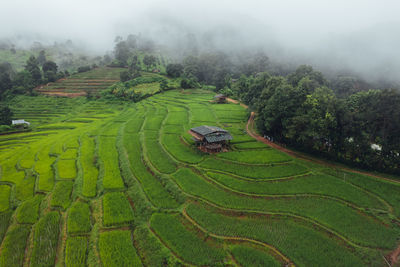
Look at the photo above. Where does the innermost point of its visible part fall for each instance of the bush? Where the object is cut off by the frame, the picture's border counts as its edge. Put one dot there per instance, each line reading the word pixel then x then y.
pixel 84 69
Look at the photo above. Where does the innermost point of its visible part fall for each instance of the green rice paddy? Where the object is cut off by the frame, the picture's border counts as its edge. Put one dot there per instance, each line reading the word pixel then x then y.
pixel 114 183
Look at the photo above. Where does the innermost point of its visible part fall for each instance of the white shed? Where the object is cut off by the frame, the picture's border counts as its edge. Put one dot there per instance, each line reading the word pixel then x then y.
pixel 19 122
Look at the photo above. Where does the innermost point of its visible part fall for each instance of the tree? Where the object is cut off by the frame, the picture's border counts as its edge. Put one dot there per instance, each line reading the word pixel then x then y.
pixel 125 76
pixel 149 61
pixel 6 72
pixel 32 66
pixel 50 66
pixel 121 51
pixel 41 58
pixel 174 70
pixel 5 116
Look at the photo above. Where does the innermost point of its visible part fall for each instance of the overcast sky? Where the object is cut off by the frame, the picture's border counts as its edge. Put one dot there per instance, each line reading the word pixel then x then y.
pixel 363 34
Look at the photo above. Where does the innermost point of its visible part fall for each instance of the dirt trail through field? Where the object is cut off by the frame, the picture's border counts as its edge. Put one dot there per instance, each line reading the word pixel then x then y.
pixel 394 257
pixel 252 133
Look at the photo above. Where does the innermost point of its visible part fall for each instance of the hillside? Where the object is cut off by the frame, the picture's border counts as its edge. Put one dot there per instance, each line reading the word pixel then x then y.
pixel 112 183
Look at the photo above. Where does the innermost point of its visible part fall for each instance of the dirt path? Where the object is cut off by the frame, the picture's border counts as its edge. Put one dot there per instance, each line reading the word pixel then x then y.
pixel 236 102
pixel 394 257
pixel 250 131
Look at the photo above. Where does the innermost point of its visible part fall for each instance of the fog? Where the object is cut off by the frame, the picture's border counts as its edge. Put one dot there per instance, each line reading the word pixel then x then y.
pixel 359 35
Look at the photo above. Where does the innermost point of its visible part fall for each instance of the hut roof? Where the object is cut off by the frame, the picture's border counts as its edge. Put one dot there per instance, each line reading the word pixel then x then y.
pixel 212 134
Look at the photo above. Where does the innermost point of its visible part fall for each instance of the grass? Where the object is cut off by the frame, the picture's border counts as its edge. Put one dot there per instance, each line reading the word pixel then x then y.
pixel 67 168
pixel 45 171
pixel 116 209
pixel 252 257
pixel 356 226
pixel 296 240
pixel 4 222
pixel 384 189
pixel 254 171
pixel 158 157
pixel 184 242
pixel 28 211
pixel 116 249
pixel 13 247
pixel 88 162
pixel 61 196
pixel 250 145
pixel 109 157
pixel 75 251
pixel 264 156
pixel 151 186
pixel 5 191
pixel 45 240
pixel 178 150
pixel 78 221
pixel 319 184
pixel 151 250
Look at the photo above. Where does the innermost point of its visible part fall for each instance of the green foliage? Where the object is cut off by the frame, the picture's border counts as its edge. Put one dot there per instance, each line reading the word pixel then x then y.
pixel 151 186
pixel 75 251
pixel 4 222
pixel 158 157
pixel 78 218
pixel 254 171
pixel 151 250
pixel 116 209
pixel 67 168
pixel 5 116
pixel 185 242
pixel 252 257
pixel 13 246
pixel 349 222
pixel 116 249
pixel 61 196
pixel 324 185
pixel 178 150
pixel 45 240
pixel 5 191
pixel 109 158
pixel 256 156
pixel 28 211
pixel 297 240
pixel 88 162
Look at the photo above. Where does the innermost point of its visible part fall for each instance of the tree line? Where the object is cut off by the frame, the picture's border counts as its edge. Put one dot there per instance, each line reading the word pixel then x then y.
pixel 344 118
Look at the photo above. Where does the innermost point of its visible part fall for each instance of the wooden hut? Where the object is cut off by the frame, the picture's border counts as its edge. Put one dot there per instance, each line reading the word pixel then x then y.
pixel 220 98
pixel 210 139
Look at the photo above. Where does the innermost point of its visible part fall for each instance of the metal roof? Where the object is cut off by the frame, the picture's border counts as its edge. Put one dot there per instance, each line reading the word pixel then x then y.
pixel 211 138
pixel 205 129
pixel 212 133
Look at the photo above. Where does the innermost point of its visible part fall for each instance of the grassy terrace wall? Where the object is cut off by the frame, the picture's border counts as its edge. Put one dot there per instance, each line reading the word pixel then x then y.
pixel 120 184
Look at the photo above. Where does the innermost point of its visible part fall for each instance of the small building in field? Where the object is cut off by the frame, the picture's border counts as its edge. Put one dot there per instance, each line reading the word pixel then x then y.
pixel 156 71
pixel 20 122
pixel 211 139
pixel 220 98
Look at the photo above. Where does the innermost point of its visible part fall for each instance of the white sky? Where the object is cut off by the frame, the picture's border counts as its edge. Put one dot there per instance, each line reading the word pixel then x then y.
pixel 341 28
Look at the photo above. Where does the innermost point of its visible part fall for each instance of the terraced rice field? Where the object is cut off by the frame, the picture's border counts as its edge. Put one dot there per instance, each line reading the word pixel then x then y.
pixel 80 84
pixel 122 184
